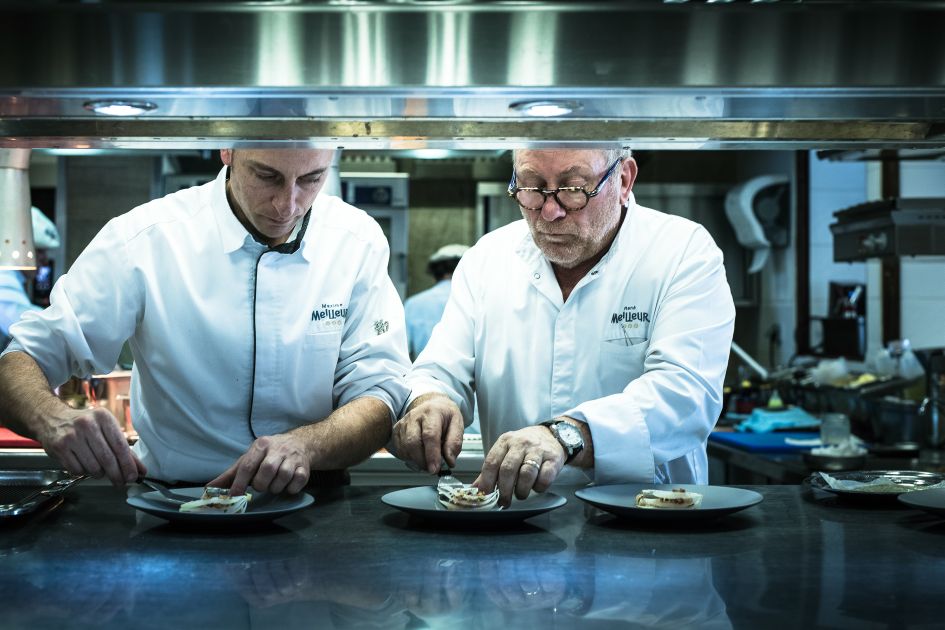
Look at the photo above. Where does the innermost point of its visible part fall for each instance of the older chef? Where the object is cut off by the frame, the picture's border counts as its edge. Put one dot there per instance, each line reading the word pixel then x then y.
pixel 594 333
pixel 268 338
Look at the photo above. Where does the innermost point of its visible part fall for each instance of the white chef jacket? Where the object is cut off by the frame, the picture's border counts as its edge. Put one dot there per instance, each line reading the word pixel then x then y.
pixel 639 350
pixel 230 340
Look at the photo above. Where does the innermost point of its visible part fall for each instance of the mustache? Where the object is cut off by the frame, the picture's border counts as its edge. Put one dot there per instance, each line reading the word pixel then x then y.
pixel 547 233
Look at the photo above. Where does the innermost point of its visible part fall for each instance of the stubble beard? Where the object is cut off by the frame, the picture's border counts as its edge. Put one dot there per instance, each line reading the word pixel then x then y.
pixel 580 247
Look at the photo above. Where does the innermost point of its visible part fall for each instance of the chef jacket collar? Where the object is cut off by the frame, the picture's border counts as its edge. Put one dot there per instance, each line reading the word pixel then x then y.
pixel 533 256
pixel 234 235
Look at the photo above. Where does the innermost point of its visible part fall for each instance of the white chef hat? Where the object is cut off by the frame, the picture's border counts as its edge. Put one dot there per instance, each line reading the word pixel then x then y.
pixel 45 234
pixel 449 252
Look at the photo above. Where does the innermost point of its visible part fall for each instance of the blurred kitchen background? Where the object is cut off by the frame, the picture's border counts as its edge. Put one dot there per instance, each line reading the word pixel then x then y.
pixel 426 199
pixel 807 136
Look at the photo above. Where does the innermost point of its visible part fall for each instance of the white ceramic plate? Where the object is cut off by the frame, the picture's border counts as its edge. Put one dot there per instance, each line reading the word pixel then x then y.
pixel 932 501
pixel 262 508
pixel 422 501
pixel 620 500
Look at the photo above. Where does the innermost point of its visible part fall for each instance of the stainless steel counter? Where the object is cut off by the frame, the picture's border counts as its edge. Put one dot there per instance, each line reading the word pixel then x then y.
pixel 794 560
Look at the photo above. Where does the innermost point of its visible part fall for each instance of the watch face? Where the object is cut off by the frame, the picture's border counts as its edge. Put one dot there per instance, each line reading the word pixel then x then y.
pixel 569 434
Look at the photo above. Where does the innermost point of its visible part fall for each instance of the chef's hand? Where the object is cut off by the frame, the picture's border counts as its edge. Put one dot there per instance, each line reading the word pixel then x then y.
pixel 521 461
pixel 274 464
pixel 430 432
pixel 90 442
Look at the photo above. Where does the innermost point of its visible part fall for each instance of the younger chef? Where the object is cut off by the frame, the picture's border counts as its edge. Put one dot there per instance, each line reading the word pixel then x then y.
pixel 268 339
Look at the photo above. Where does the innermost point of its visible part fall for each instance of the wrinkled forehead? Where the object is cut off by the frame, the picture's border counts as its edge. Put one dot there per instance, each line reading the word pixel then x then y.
pixel 291 162
pixel 551 162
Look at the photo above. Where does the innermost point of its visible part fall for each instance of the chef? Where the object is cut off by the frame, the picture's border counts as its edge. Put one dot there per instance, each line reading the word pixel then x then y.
pixel 14 300
pixel 595 333
pixel 268 339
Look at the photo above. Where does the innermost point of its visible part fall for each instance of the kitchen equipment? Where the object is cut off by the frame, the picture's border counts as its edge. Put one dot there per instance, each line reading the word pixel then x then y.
pixel 834 429
pixel 905 480
pixel 776 442
pixel 23 492
pixel 933 361
pixel 890 227
pixel 897 420
pixel 435 74
pixel 832 463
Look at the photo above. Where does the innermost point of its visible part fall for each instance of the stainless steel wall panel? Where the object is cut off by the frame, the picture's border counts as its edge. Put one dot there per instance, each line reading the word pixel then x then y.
pixel 780 66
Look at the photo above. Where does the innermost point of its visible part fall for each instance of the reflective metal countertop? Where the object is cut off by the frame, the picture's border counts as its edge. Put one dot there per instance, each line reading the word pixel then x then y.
pixel 350 561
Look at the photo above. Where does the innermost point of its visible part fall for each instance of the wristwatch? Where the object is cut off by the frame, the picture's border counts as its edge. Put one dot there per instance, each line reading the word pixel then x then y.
pixel 568 436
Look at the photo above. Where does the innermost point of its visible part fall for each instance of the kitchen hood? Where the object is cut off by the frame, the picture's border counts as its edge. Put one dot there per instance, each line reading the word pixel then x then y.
pixel 824 74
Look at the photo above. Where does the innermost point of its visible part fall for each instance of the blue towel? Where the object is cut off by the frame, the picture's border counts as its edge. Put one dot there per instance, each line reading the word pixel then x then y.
pixel 764 420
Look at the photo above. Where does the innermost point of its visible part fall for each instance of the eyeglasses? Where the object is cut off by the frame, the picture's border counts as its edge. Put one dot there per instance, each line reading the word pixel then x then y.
pixel 568 197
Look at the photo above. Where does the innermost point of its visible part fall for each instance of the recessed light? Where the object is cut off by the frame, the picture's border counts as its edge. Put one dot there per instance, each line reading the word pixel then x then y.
pixel 119 107
pixel 546 109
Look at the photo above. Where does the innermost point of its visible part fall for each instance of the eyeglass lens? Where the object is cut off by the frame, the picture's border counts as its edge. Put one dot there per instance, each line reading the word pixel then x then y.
pixel 568 199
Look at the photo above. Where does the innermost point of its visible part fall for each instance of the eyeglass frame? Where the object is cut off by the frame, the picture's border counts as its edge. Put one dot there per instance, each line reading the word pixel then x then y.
pixel 513 190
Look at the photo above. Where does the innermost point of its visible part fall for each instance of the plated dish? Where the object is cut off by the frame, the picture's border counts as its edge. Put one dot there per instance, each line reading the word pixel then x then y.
pixel 422 501
pixel 932 501
pixel 262 508
pixel 903 481
pixel 620 500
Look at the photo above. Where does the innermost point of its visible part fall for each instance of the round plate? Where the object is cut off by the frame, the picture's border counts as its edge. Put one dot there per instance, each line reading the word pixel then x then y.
pixel 932 501
pixel 422 501
pixel 909 480
pixel 621 500
pixel 262 508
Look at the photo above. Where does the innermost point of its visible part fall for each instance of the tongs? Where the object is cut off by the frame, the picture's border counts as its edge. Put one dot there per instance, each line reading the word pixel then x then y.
pixel 52 490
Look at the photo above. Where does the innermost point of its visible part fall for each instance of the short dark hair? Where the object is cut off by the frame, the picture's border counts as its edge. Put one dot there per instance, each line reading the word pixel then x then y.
pixel 442 268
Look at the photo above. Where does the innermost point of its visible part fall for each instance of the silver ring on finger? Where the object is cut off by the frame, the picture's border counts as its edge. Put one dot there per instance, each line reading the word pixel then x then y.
pixel 530 462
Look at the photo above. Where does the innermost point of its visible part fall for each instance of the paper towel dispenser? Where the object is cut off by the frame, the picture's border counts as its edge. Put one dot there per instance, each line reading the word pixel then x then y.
pixel 759 210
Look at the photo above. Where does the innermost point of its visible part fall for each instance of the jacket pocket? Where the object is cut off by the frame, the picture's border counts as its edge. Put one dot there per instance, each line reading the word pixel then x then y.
pixel 620 363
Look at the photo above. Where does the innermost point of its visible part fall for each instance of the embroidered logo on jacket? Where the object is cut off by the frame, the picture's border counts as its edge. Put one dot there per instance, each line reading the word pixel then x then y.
pixel 328 317
pixel 629 326
pixel 381 326
pixel 630 314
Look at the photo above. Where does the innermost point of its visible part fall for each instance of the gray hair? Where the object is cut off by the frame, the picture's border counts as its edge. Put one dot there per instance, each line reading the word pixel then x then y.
pixel 623 153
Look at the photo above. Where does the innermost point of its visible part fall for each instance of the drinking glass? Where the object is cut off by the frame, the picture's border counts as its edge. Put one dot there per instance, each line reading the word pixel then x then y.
pixel 834 429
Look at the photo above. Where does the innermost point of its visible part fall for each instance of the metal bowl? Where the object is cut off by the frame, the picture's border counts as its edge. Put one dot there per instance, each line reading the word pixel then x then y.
pixel 834 463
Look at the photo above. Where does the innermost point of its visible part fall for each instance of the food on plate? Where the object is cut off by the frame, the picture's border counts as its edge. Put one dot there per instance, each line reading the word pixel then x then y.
pixel 218 501
pixel 467 498
pixel 677 498
pixel 886 488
